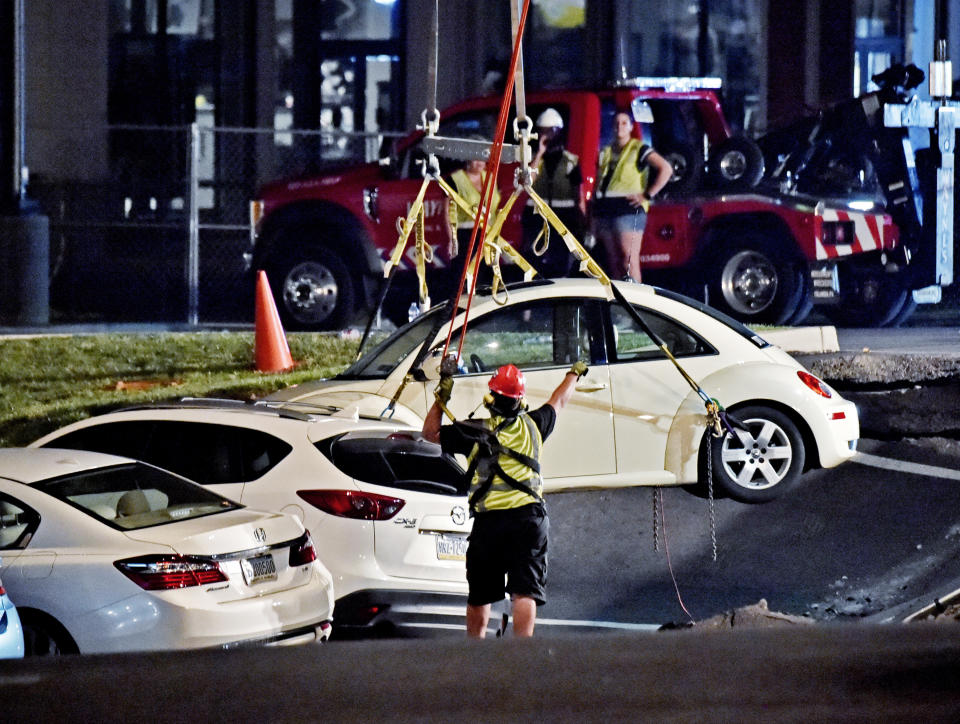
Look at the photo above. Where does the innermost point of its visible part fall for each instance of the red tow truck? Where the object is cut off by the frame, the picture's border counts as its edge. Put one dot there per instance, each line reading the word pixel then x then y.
pixel 732 227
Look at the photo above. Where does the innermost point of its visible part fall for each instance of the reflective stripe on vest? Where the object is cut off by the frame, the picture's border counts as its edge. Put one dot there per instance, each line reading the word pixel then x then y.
pixel 523 436
pixel 469 193
pixel 626 178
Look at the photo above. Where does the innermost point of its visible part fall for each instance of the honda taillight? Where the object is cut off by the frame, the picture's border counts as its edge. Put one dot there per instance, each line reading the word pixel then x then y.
pixel 814 383
pixel 302 551
pixel 164 573
pixel 353 504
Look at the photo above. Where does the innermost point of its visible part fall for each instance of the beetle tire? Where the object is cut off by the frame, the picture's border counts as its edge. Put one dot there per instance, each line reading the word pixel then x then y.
pixel 758 471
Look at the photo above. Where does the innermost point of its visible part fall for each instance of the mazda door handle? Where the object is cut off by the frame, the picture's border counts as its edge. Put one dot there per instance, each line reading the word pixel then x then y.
pixel 590 388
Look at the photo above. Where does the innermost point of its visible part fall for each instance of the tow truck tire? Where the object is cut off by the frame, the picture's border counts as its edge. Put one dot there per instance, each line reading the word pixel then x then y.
pixel 805 306
pixel 313 288
pixel 870 301
pixel 762 462
pixel 751 282
pixel 909 307
pixel 736 164
pixel 687 167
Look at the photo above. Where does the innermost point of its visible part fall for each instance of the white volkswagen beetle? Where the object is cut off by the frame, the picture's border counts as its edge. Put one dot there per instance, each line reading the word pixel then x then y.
pixel 105 554
pixel 633 419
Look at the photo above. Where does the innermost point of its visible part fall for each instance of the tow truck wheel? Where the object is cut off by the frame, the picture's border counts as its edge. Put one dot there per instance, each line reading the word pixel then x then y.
pixel 313 288
pixel 751 283
pixel 687 166
pixel 736 164
pixel 763 461
pixel 870 301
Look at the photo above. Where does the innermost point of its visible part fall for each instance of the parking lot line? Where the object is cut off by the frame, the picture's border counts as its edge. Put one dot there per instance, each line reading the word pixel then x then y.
pixel 902 466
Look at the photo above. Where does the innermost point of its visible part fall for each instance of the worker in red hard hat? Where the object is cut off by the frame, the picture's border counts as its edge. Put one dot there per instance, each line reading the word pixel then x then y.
pixel 507 553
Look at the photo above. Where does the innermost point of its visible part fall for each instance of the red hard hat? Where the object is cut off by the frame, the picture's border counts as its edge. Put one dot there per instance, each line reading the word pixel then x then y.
pixel 508 382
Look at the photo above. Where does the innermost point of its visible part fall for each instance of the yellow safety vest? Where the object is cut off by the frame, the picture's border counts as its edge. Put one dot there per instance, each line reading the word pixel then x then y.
pixel 469 192
pixel 556 188
pixel 626 179
pixel 523 436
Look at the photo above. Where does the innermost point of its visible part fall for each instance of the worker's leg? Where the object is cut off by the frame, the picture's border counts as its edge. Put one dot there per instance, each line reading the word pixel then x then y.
pixel 524 615
pixel 616 259
pixel 477 619
pixel 632 241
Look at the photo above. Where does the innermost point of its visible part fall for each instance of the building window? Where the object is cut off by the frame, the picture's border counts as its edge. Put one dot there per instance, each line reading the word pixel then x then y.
pixel 879 41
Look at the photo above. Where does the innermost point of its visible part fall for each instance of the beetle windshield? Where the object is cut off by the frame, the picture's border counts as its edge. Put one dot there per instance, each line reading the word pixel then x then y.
pixel 384 358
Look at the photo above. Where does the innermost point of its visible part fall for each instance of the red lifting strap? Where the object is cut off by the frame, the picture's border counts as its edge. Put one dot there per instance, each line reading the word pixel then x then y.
pixel 486 194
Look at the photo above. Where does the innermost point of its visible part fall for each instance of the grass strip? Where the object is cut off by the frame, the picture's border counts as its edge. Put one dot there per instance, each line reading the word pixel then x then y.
pixel 47 382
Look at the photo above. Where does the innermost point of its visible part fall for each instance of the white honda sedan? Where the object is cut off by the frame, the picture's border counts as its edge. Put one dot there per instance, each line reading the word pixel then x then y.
pixel 386 511
pixel 106 554
pixel 634 419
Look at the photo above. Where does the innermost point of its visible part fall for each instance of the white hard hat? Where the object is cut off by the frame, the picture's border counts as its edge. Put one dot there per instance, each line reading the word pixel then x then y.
pixel 550 119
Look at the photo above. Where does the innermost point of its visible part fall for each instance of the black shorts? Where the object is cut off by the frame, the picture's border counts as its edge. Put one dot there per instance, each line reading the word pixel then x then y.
pixel 509 544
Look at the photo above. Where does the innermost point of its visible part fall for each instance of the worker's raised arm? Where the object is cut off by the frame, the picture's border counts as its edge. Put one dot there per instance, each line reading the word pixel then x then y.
pixel 561 396
pixel 434 418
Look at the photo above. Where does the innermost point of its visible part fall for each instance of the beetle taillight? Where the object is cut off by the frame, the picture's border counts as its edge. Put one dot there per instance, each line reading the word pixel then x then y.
pixel 814 383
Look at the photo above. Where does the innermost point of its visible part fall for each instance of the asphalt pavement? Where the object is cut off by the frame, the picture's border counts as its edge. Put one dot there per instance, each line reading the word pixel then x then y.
pixel 805 674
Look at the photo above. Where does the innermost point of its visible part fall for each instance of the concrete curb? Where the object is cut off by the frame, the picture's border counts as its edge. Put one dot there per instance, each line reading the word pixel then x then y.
pixel 806 340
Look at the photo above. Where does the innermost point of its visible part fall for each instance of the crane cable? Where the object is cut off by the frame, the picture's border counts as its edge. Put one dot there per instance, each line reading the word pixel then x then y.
pixel 486 194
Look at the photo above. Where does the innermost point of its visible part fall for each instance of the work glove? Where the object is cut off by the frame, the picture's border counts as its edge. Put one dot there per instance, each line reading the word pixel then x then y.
pixel 579 369
pixel 444 390
pixel 448 367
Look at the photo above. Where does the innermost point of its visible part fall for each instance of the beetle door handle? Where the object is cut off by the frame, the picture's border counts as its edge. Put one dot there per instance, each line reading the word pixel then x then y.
pixel 590 388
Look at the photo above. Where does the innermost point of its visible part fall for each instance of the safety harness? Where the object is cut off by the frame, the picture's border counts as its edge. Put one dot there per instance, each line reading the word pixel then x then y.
pixel 484 461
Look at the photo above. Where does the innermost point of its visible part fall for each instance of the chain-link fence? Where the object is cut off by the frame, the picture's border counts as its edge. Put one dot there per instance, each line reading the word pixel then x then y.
pixel 161 236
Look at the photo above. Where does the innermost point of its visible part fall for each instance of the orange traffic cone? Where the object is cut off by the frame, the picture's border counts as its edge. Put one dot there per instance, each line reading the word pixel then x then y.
pixel 271 349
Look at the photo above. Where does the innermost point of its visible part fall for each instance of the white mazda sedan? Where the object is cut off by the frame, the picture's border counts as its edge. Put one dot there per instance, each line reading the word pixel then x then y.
pixel 387 511
pixel 633 419
pixel 104 554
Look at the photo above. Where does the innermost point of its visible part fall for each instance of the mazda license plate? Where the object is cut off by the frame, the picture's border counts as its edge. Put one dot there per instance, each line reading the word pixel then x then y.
pixel 259 569
pixel 451 547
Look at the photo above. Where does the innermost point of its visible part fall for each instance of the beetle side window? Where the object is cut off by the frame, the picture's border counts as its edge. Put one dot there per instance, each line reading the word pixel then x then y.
pixel 544 333
pixel 631 342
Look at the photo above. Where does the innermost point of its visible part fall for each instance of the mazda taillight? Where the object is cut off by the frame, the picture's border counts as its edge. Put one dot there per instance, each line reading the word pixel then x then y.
pixel 814 383
pixel 353 504
pixel 302 551
pixel 164 573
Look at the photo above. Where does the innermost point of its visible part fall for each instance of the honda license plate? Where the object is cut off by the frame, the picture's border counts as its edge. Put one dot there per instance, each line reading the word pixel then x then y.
pixel 451 547
pixel 259 569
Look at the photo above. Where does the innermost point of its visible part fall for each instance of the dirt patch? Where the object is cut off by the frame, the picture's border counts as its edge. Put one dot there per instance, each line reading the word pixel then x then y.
pixel 898 396
pixel 867 369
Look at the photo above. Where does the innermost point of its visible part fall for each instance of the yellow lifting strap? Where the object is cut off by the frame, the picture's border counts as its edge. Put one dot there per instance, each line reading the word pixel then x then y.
pixel 587 264
pixel 493 244
pixel 424 256
pixel 405 226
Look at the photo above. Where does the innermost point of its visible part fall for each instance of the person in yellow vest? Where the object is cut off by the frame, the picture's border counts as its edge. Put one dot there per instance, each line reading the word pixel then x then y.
pixel 557 181
pixel 630 175
pixel 507 552
pixel 468 181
